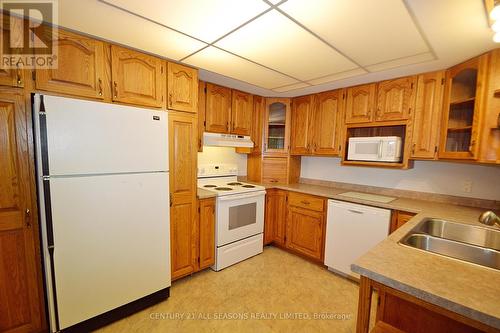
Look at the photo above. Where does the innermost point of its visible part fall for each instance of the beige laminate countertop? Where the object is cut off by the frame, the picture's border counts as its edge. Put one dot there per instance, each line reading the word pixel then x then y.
pixel 468 289
pixel 204 194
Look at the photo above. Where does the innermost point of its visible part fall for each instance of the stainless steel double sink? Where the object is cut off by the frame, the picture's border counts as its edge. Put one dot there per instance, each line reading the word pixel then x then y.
pixel 474 244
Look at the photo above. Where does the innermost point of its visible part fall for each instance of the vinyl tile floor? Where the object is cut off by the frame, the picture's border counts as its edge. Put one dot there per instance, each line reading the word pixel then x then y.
pixel 272 292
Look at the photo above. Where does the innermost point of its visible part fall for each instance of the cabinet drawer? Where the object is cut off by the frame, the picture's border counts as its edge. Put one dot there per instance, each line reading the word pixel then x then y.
pixel 274 170
pixel 306 201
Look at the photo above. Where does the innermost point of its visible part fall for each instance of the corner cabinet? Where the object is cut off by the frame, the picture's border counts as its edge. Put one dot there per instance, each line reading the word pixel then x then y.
pixel 21 299
pixel 182 130
pixel 182 88
pixel 81 67
pixel 427 117
pixel 462 107
pixel 217 108
pixel 360 104
pixel 277 126
pixel 137 78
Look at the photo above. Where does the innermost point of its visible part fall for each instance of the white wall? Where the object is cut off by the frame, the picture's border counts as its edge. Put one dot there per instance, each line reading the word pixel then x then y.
pixel 426 176
pixel 215 155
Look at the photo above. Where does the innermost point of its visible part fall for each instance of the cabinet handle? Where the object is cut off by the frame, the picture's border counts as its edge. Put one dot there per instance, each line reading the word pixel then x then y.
pixel 273 181
pixel 498 121
pixel 304 202
pixel 19 81
pixel 413 148
pixel 27 217
pixel 170 99
pixel 116 88
pixel 100 87
pixel 171 200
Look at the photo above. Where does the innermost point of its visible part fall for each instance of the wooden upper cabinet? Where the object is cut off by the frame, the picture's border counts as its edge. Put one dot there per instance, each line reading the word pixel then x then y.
pixel 13 77
pixel 301 122
pixel 137 78
pixel 395 99
pixel 259 106
pixel 360 103
pixel 328 122
pixel 463 106
pixel 21 301
pixel 241 113
pixel 427 117
pixel 81 67
pixel 182 88
pixel 275 217
pixel 201 113
pixel 277 126
pixel 218 108
pixel 183 205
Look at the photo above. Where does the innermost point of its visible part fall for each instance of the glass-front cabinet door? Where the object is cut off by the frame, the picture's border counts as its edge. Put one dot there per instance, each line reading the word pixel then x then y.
pixel 462 107
pixel 277 125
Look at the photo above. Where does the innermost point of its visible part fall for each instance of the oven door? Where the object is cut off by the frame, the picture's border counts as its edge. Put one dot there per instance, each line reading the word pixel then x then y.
pixel 239 216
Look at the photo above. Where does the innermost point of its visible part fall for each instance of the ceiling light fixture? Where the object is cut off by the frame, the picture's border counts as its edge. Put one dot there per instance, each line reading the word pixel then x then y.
pixel 496 26
pixel 495 12
pixel 496 37
pixel 495 18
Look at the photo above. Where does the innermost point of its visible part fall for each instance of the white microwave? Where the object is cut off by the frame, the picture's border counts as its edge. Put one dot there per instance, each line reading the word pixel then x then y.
pixel 375 148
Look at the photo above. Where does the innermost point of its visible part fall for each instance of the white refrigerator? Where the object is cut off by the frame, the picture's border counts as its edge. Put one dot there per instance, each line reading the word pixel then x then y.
pixel 103 185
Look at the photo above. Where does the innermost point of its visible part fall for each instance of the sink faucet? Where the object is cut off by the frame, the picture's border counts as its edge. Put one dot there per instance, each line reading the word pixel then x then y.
pixel 489 218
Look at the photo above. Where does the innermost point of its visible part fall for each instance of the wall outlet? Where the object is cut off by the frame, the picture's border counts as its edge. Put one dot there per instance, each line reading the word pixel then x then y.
pixel 467 186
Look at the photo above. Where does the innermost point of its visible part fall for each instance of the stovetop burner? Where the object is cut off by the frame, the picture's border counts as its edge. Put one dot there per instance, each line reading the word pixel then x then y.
pixel 223 189
pixel 248 186
pixel 209 185
pixel 234 184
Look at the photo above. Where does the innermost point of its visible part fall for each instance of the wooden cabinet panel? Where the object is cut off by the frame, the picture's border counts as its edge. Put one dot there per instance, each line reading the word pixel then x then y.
pixel 241 113
pixel 207 233
pixel 274 170
pixel 21 304
pixel 306 201
pixel 399 218
pixel 301 122
pixel 259 105
pixel 218 108
pixel 275 217
pixel 360 102
pixel 13 77
pixel 277 126
pixel 305 232
pixel 201 113
pixel 182 88
pixel 395 99
pixel 328 123
pixel 138 78
pixel 81 67
pixel 463 105
pixel 183 207
pixel 427 115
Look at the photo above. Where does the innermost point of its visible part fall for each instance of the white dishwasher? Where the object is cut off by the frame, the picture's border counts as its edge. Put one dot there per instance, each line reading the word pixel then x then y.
pixel 351 231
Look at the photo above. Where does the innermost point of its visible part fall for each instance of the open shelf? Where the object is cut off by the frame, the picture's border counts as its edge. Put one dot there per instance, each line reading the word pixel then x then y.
pixel 469 100
pixel 459 129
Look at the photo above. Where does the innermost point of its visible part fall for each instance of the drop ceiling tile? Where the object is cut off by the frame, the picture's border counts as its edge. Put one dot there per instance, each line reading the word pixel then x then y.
pixel 203 19
pixel 101 20
pixel 276 42
pixel 369 32
pixel 337 76
pixel 222 62
pixel 416 59
pixel 292 87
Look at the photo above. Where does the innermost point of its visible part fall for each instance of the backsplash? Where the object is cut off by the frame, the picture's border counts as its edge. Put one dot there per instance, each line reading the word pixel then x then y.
pixel 214 155
pixel 426 176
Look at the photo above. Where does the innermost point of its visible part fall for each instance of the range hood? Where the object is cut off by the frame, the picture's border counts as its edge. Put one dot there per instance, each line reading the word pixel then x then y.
pixel 227 140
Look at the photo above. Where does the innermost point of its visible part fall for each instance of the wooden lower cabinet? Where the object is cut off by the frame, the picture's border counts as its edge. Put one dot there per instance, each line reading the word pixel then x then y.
pixel 21 293
pixel 206 233
pixel 275 217
pixel 398 218
pixel 305 232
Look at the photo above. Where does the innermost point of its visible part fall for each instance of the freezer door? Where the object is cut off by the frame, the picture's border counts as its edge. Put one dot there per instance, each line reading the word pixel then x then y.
pixel 111 242
pixel 86 137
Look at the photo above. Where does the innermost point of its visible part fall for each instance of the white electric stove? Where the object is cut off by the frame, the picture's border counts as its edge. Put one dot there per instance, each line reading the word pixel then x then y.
pixel 239 214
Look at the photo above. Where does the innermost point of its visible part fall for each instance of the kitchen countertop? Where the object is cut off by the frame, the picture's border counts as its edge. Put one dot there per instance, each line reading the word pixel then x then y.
pixel 470 290
pixel 204 194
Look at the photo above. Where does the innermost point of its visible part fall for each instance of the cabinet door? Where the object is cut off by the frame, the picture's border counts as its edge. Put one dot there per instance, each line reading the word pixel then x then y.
pixel 427 116
pixel 207 233
pixel 277 126
pixel 201 113
pixel 328 123
pixel 182 88
pixel 275 219
pixel 274 170
pixel 301 122
pixel 183 215
pixel 80 68
pixel 138 78
pixel 360 103
pixel 218 109
pixel 13 77
pixel 305 232
pixel 259 105
pixel 395 99
pixel 241 113
pixel 21 304
pixel 462 108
